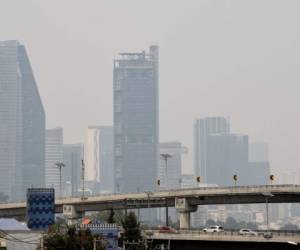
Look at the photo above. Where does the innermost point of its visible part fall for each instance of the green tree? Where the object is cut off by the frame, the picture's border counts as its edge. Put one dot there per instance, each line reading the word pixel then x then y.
pixel 75 240
pixel 111 218
pixel 103 216
pixel 132 230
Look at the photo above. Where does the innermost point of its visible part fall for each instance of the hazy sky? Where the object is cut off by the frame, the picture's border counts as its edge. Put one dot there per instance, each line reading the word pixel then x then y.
pixel 234 58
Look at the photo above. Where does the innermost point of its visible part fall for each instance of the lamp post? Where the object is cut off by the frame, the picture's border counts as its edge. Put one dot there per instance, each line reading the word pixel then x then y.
pixel 166 157
pixel 60 165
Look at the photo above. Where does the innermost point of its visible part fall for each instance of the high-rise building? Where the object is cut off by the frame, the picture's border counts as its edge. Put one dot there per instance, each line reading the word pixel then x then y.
pixel 73 155
pixel 169 171
pixel 92 154
pixel 136 135
pixel 99 169
pixel 107 159
pixel 258 166
pixel 202 129
pixel 54 154
pixel 22 126
pixel 258 152
pixel 226 155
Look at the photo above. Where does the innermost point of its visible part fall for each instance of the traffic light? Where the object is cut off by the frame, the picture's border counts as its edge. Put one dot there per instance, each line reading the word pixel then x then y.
pixel 198 179
pixel 158 182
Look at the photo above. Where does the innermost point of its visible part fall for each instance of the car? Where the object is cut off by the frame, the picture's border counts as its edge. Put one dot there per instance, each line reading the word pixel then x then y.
pixel 213 229
pixel 247 232
pixel 165 229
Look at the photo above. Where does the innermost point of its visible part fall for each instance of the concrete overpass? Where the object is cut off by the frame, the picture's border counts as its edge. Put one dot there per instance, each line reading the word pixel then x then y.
pixel 185 200
pixel 193 239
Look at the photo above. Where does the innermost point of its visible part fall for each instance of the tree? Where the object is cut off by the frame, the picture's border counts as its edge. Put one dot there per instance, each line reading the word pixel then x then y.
pixel 132 230
pixel 231 223
pixel 210 222
pixel 73 239
pixel 103 216
pixel 111 218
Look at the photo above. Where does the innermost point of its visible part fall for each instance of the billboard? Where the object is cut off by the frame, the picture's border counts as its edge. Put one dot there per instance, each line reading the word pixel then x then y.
pixel 40 208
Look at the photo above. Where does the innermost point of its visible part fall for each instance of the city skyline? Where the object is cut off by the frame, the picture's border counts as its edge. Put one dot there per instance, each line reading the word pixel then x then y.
pixel 244 70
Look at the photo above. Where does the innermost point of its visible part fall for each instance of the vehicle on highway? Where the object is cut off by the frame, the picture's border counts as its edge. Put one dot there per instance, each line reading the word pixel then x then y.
pixel 165 229
pixel 247 232
pixel 213 229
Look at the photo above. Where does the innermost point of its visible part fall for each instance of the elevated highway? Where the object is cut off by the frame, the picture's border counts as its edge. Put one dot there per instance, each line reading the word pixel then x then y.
pixel 193 239
pixel 185 200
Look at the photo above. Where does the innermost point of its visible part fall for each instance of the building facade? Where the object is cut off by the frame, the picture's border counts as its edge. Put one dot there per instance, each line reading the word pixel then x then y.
pixel 54 154
pixel 227 155
pixel 22 126
pixel 170 169
pixel 98 155
pixel 136 135
pixel 202 129
pixel 73 155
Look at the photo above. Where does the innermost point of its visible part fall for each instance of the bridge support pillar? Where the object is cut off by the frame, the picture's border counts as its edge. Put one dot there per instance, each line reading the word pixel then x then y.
pixel 185 220
pixel 184 209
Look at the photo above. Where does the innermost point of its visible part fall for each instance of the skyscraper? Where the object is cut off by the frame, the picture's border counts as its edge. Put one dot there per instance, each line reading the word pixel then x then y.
pixel 259 166
pixel 54 154
pixel 99 171
pixel 22 123
pixel 106 159
pixel 136 120
pixel 226 155
pixel 202 129
pixel 73 155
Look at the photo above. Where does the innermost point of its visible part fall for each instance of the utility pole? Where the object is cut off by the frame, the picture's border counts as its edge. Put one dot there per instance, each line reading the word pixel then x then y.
pixel 166 157
pixel 60 165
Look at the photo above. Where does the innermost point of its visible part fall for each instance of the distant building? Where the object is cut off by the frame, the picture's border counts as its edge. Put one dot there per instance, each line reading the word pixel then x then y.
pixel 107 159
pixel 226 155
pixel 188 181
pixel 54 154
pixel 258 167
pixel 258 152
pixel 136 134
pixel 22 126
pixel 73 155
pixel 202 129
pixel 169 173
pixel 99 168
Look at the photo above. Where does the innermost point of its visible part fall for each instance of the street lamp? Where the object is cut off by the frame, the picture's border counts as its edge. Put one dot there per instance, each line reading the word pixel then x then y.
pixel 267 195
pixel 60 165
pixel 166 157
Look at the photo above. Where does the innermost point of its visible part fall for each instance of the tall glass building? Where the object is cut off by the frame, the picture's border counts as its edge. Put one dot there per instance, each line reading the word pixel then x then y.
pixel 22 123
pixel 136 120
pixel 54 154
pixel 203 128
